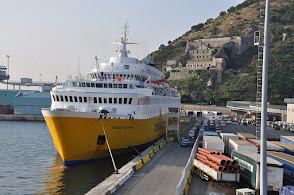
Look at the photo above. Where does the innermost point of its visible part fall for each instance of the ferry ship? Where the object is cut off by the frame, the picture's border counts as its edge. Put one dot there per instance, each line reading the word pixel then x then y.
pixel 123 102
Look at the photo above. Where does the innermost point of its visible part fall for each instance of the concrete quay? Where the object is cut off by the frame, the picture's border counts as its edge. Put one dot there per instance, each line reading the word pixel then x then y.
pixel 163 159
pixel 12 117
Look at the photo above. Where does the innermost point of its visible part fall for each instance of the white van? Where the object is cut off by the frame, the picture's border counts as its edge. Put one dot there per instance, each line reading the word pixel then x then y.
pixel 191 134
pixel 223 123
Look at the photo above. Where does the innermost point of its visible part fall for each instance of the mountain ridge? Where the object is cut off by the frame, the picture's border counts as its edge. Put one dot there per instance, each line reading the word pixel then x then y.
pixel 239 81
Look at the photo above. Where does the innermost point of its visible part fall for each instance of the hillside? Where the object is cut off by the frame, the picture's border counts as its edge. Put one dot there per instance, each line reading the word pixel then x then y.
pixel 239 81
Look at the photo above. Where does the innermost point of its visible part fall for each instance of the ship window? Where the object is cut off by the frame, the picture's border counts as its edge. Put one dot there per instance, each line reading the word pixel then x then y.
pixel 95 100
pixel 114 85
pixel 109 76
pixel 74 84
pixel 92 84
pixel 70 98
pixel 120 86
pixel 126 66
pixel 80 99
pixel 57 98
pixel 125 86
pixel 115 100
pixel 66 98
pixel 113 76
pixel 76 98
pixel 85 99
pixel 105 100
pixel 105 85
pixel 125 100
pixel 61 98
pixel 130 100
pixel 120 100
pixel 88 84
pixel 110 100
pixel 100 100
pixel 53 97
pixel 83 84
pixel 110 85
pixel 132 86
pixel 101 140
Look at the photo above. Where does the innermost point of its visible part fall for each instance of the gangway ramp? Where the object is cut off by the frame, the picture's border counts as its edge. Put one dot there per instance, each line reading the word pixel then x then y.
pixel 161 174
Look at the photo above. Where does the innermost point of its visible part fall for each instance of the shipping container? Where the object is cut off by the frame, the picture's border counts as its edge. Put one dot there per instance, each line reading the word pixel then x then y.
pixel 246 136
pixel 270 146
pixel 249 163
pixel 213 142
pixel 226 137
pixel 288 139
pixel 289 148
pixel 210 133
pixel 241 145
pixel 288 161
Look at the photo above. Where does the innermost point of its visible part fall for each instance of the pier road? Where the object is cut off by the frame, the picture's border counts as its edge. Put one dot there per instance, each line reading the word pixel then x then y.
pixel 161 174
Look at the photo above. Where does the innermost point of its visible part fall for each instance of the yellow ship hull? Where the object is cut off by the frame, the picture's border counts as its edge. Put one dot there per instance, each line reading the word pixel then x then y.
pixel 80 136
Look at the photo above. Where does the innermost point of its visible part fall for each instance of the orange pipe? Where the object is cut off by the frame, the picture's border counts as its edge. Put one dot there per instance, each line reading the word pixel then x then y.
pixel 234 162
pixel 203 150
pixel 226 169
pixel 201 156
pixel 216 159
pixel 213 151
pixel 215 166
pixel 203 153
pixel 229 163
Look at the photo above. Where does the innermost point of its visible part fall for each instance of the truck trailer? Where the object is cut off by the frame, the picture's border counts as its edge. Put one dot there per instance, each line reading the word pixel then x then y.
pixel 289 148
pixel 213 142
pixel 249 163
pixel 288 139
pixel 288 162
pixel 226 137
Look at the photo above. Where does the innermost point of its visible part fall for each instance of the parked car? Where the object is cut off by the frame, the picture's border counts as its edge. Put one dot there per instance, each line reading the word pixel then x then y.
pixel 291 128
pixel 186 142
pixel 277 127
pixel 229 121
pixel 244 123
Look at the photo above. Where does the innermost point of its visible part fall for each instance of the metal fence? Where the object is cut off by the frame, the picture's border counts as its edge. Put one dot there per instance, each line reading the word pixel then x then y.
pixel 187 169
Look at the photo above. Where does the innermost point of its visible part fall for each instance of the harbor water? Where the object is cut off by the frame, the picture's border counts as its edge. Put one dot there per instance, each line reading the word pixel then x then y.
pixel 29 163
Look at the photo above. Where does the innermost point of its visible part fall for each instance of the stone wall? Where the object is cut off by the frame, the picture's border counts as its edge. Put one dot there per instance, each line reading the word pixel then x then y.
pixel 181 75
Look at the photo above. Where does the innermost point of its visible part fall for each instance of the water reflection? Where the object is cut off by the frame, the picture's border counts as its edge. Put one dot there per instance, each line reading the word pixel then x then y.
pixel 79 179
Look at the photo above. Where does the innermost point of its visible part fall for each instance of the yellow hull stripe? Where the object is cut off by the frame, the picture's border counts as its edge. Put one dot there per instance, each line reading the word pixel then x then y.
pixel 76 138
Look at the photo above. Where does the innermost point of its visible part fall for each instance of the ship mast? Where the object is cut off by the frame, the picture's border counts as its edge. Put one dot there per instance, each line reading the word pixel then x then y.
pixel 122 50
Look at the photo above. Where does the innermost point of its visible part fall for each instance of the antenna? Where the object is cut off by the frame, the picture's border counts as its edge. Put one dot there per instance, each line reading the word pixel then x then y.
pixel 97 63
pixel 79 73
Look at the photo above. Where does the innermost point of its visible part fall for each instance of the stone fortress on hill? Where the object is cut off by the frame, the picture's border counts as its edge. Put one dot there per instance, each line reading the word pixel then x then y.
pixel 208 54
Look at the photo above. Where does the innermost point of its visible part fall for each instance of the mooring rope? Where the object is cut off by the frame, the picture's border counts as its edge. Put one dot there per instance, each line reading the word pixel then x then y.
pixel 112 159
pixel 124 138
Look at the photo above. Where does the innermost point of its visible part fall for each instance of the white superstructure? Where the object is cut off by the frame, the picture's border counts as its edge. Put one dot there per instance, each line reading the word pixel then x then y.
pixel 121 88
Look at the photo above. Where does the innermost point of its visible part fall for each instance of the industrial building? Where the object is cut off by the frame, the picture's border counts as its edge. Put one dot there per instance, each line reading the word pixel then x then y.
pixel 27 102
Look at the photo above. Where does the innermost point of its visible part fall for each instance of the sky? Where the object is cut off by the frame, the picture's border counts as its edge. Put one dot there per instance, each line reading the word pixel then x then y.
pixel 49 38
